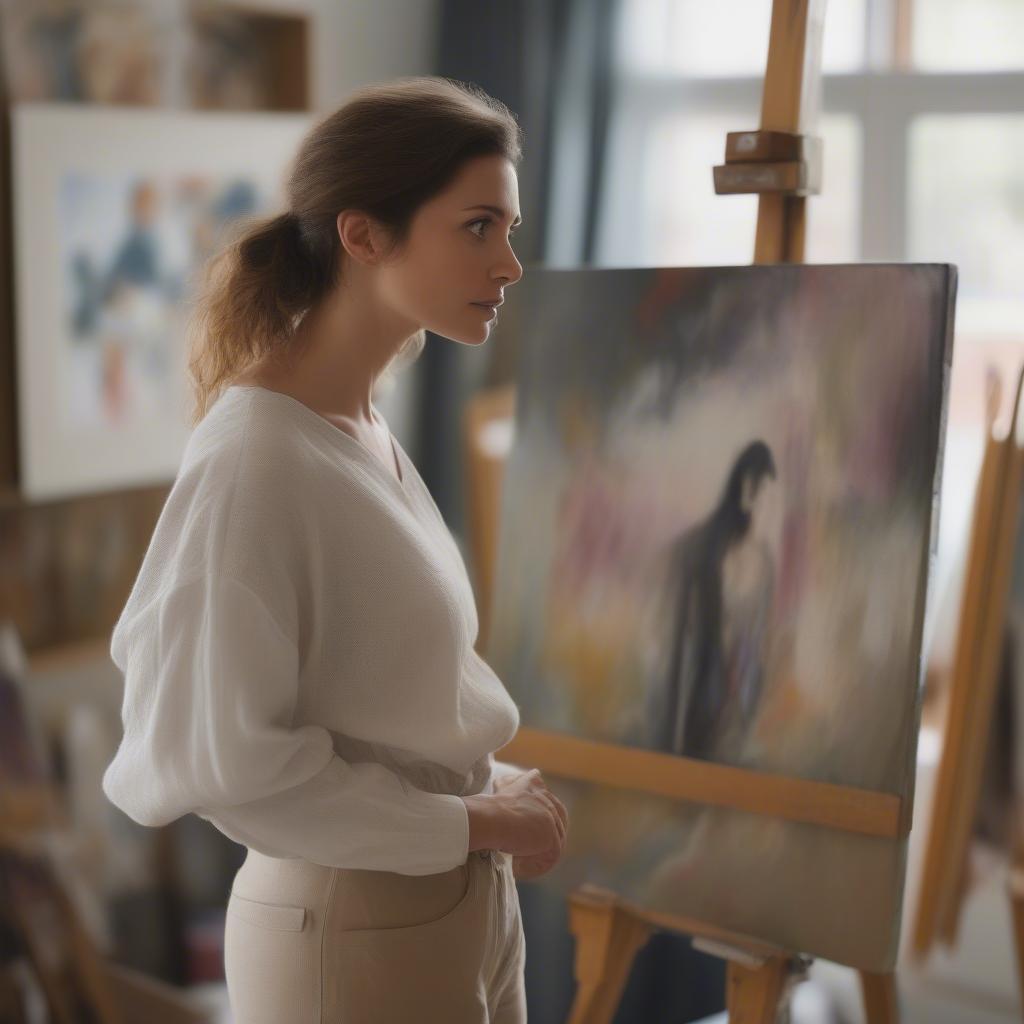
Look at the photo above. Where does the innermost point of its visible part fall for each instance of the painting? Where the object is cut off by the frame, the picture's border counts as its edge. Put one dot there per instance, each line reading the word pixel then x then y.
pixel 116 211
pixel 200 54
pixel 91 51
pixel 717 525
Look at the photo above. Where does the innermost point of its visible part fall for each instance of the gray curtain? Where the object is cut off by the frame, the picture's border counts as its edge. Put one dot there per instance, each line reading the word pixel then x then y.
pixel 551 62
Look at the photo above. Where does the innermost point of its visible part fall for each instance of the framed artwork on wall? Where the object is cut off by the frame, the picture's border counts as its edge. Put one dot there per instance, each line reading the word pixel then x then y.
pixel 115 212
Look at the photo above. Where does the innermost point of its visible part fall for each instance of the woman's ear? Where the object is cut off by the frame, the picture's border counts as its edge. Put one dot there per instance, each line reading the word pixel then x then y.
pixel 360 236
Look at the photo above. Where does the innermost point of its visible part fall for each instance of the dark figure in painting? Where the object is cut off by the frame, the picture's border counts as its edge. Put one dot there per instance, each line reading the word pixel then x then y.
pixel 722 577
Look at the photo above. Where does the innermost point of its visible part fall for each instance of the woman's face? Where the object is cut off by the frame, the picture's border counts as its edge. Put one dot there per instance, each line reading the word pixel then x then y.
pixel 458 253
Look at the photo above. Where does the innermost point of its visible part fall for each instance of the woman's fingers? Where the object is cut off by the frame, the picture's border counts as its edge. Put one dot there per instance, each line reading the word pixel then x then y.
pixel 563 814
pixel 562 811
pixel 560 816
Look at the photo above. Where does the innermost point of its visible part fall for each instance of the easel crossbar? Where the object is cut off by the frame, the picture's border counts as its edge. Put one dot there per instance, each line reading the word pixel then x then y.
pixel 844 808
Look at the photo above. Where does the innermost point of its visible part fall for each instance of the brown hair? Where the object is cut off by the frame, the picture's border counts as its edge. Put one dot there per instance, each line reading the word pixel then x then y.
pixel 389 148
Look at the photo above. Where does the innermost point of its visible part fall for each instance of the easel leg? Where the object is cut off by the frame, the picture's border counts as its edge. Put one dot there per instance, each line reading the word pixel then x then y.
pixel 607 941
pixel 753 993
pixel 881 1005
pixel 1016 887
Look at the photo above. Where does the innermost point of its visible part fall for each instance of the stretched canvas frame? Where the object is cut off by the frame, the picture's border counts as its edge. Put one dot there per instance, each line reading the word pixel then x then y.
pixel 600 343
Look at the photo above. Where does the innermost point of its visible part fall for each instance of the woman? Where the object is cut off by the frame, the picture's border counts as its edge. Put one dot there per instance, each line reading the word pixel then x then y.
pixel 298 646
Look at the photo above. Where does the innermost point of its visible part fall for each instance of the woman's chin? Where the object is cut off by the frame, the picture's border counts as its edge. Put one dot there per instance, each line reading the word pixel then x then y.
pixel 463 337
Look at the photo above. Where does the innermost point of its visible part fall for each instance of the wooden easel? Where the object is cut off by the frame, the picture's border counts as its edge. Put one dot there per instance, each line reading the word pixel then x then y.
pixel 1015 890
pixel 782 165
pixel 973 694
pixel 609 930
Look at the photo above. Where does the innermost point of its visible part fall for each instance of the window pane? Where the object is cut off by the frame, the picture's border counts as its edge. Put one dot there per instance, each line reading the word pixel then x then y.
pixel 701 38
pixel 966 206
pixel 968 35
pixel 686 223
pixel 842 45
pixel 833 218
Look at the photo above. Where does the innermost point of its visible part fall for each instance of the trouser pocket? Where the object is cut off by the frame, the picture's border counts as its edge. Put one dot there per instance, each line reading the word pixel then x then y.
pixel 415 950
pixel 277 917
pixel 364 902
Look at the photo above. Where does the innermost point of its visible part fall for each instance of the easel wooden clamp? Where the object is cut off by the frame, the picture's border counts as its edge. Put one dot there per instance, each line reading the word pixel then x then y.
pixel 783 166
pixel 770 162
pixel 781 162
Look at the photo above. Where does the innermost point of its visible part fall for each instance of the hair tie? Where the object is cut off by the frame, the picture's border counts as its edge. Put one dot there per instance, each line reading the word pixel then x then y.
pixel 291 225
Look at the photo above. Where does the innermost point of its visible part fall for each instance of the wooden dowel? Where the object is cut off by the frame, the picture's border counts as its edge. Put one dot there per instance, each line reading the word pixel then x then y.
pixel 935 870
pixel 704 782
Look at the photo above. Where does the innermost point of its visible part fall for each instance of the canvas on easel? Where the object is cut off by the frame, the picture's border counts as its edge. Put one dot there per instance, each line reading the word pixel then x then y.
pixel 715 541
pixel 781 162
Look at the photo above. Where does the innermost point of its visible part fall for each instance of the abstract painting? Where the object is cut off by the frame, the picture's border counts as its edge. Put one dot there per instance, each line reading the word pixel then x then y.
pixel 116 211
pixel 717 524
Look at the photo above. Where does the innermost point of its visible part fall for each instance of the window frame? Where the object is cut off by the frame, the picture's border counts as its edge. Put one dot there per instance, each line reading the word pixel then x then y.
pixel 883 99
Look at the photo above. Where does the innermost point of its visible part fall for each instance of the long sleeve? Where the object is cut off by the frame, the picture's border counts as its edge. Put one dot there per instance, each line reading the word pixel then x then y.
pixel 501 769
pixel 211 688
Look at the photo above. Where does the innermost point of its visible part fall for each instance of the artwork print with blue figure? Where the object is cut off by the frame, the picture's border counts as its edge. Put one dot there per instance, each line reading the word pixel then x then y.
pixel 132 246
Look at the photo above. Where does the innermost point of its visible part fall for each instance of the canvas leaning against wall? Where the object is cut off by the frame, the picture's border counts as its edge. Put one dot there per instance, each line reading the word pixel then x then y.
pixel 716 532
pixel 115 212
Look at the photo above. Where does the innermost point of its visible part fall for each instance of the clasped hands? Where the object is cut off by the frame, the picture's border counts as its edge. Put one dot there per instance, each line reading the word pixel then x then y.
pixel 526 867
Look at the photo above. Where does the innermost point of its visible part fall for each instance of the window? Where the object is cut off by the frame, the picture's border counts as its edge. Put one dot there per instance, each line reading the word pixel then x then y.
pixel 968 35
pixel 685 223
pixel 966 201
pixel 923 128
pixel 899 180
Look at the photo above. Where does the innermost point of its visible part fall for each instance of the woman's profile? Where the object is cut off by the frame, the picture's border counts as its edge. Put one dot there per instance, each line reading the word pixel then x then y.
pixel 298 647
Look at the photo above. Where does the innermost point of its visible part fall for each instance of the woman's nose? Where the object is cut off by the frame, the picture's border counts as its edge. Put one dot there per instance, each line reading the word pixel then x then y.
pixel 511 270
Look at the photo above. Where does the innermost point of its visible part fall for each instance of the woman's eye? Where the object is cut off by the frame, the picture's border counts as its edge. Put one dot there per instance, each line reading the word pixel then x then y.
pixel 487 220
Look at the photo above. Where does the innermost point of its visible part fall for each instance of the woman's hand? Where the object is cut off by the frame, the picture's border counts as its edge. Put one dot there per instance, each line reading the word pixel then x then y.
pixel 525 868
pixel 529 865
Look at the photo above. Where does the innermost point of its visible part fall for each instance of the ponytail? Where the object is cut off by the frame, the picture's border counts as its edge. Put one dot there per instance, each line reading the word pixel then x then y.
pixel 254 295
pixel 386 151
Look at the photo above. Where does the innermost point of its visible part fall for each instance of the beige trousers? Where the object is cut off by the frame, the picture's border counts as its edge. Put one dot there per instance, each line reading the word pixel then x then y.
pixel 308 944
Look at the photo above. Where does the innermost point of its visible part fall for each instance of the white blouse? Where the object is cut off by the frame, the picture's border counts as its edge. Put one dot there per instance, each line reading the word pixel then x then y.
pixel 298 651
